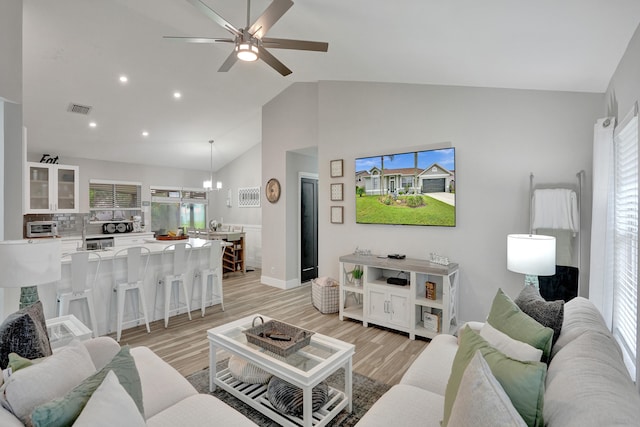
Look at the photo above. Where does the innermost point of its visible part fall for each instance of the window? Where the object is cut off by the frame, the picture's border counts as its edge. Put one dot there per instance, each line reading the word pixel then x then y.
pixel 114 200
pixel 625 241
pixel 172 208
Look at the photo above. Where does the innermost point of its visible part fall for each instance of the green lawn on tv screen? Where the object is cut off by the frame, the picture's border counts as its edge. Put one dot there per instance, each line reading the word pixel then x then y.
pixel 371 210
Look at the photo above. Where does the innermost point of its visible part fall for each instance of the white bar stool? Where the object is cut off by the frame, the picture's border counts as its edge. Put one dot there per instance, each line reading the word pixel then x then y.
pixel 213 261
pixel 178 274
pixel 137 261
pixel 81 285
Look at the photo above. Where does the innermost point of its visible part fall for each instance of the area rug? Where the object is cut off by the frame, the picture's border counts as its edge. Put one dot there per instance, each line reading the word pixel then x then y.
pixel 365 392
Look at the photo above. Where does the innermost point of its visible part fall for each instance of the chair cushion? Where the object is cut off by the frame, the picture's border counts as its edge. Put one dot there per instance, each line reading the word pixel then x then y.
pixel 25 333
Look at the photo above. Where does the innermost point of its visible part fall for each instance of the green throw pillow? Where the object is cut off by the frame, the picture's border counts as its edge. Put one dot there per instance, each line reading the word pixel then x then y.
pixel 17 362
pixel 63 411
pixel 522 381
pixel 507 317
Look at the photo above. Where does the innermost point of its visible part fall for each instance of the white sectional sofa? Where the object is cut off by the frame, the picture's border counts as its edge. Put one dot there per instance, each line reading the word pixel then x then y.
pixel 169 400
pixel 586 385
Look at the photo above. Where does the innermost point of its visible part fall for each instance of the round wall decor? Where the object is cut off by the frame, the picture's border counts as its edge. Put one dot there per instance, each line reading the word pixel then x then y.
pixel 272 190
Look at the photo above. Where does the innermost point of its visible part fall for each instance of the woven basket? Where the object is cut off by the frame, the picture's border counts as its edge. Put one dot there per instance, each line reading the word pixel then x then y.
pixel 259 335
pixel 325 298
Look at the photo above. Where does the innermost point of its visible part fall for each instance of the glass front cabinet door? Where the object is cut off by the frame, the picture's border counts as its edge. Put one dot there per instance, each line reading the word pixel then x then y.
pixel 51 188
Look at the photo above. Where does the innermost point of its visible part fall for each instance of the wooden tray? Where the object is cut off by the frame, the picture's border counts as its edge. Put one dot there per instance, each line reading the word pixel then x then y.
pixel 172 237
pixel 258 335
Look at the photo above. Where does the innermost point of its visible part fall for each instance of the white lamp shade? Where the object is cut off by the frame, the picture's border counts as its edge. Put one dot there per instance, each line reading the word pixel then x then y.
pixel 531 254
pixel 29 262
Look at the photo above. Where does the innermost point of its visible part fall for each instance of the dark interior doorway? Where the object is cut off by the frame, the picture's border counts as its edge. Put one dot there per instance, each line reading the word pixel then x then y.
pixel 308 229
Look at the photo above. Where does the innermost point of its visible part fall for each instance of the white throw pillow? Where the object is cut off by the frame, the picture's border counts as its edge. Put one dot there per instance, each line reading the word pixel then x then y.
pixel 110 405
pixel 481 401
pixel 513 348
pixel 52 377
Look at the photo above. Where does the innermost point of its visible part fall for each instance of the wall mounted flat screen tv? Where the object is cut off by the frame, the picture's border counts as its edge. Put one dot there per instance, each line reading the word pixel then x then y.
pixel 416 188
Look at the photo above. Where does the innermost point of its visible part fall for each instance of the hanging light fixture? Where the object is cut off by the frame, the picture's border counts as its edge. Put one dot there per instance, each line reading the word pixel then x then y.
pixel 208 184
pixel 247 51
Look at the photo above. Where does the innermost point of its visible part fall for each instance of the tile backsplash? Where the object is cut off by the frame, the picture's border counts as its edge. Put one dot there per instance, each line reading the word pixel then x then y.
pixel 69 224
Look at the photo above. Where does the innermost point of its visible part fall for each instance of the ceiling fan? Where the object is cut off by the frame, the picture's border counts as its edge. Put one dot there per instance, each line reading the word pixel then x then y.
pixel 250 42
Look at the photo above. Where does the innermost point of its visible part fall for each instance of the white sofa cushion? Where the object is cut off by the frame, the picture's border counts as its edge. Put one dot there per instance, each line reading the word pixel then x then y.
pixel 580 316
pixel 405 405
pixel 200 410
pixel 52 377
pixel 110 405
pixel 513 348
pixel 481 401
pixel 432 368
pixel 162 385
pixel 588 385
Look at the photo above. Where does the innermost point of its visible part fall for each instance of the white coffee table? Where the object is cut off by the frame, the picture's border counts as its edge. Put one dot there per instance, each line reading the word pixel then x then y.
pixel 305 368
pixel 63 329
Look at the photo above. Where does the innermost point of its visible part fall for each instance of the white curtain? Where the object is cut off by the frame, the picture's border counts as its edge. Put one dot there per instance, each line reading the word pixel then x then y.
pixel 601 268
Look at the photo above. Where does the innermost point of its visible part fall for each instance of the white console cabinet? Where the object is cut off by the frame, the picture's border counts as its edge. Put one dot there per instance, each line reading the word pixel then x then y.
pixel 400 307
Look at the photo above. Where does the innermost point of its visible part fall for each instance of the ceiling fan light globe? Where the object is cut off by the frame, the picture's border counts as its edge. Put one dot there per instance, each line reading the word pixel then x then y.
pixel 247 52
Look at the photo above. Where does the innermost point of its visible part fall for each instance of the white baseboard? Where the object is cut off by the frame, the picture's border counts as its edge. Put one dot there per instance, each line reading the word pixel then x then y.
pixel 279 283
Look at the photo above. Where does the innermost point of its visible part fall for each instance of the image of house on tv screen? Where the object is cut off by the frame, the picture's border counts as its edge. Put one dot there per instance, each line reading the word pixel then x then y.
pixel 417 188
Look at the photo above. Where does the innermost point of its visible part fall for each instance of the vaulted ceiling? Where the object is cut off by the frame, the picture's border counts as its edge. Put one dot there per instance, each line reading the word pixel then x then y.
pixel 76 50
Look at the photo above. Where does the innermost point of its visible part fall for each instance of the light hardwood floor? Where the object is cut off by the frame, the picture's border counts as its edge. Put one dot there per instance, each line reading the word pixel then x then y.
pixel 380 354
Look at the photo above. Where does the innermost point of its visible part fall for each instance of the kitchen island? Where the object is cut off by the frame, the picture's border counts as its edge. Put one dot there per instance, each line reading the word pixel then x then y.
pixel 160 263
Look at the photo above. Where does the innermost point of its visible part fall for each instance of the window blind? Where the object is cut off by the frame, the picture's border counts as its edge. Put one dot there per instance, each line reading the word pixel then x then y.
pixel 625 269
pixel 106 196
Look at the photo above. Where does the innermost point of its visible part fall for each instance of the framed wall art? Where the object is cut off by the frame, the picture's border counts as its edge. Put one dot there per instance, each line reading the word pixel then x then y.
pixel 337 192
pixel 336 168
pixel 337 215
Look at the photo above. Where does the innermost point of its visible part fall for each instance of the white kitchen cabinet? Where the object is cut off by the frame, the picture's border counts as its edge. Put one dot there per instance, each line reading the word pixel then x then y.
pixel 51 188
pixel 400 307
pixel 131 239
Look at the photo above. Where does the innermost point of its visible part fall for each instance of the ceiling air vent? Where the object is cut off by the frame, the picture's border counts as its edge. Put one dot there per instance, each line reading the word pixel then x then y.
pixel 80 109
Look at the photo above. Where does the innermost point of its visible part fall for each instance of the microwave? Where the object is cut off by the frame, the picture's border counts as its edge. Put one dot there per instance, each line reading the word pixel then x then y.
pixel 42 229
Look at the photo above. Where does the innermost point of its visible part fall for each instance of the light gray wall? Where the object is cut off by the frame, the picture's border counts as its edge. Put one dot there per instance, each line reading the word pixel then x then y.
pixel 500 137
pixel 11 151
pixel 624 87
pixel 244 171
pixel 296 163
pixel 11 50
pixel 289 123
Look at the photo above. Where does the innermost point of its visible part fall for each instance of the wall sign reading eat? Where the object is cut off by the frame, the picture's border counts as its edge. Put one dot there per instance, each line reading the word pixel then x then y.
pixel 46 158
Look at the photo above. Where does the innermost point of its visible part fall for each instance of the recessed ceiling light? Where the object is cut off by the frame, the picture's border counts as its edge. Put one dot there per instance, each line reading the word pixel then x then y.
pixel 93 124
pixel 177 95
pixel 145 133
pixel 124 79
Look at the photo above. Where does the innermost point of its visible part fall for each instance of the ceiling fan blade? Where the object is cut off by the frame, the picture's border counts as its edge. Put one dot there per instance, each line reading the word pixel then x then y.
pixel 228 63
pixel 295 44
pixel 213 15
pixel 199 39
pixel 270 16
pixel 273 62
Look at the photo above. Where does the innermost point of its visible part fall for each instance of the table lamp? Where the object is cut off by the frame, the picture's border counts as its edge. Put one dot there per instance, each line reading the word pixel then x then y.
pixel 26 264
pixel 532 255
